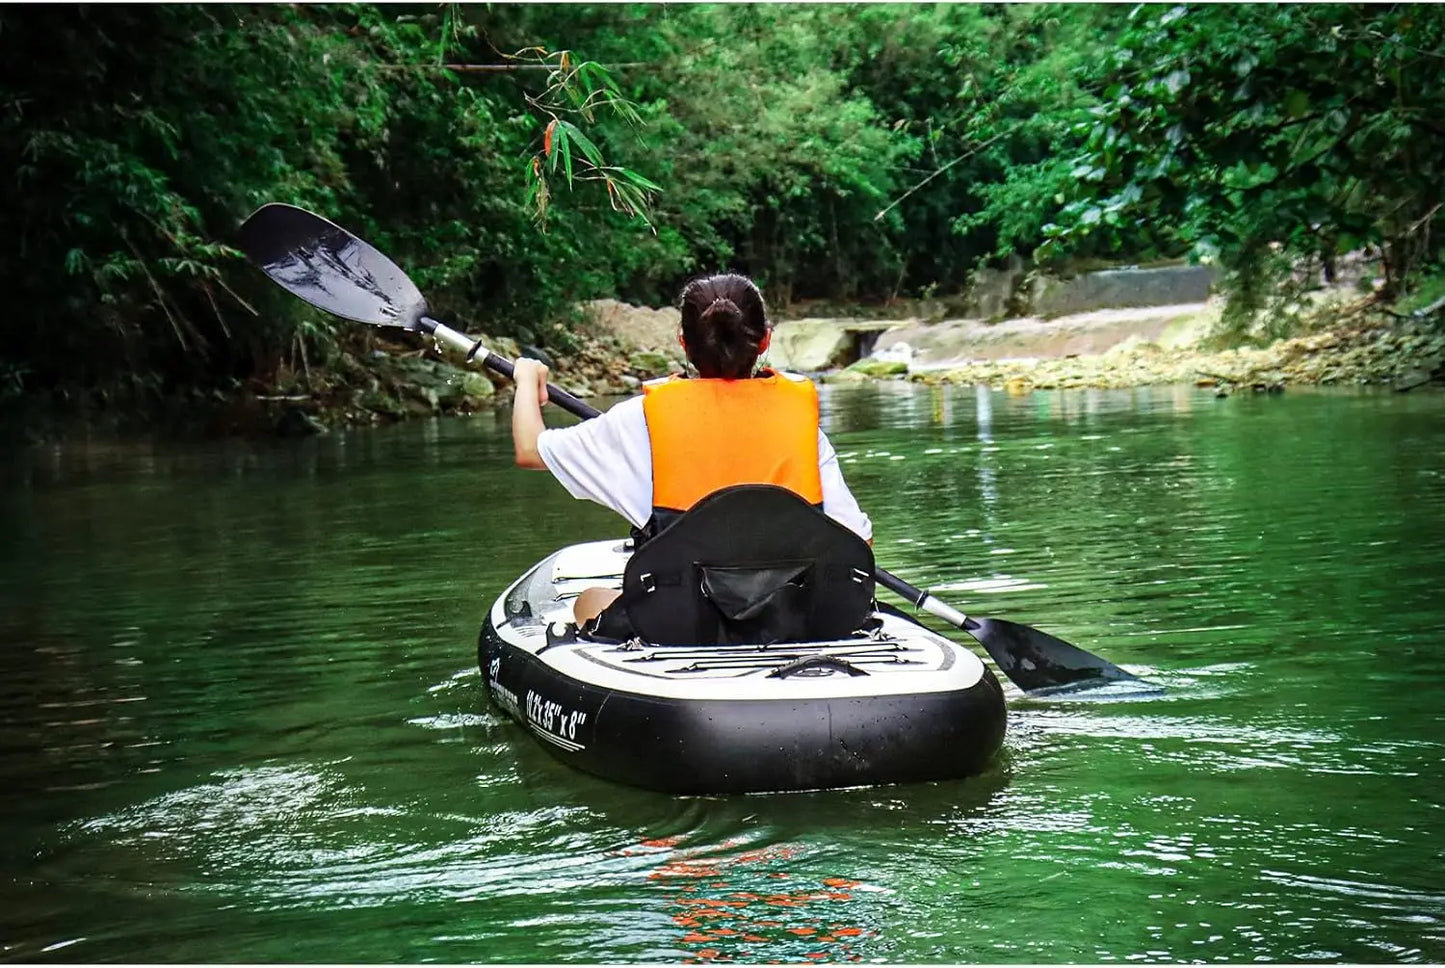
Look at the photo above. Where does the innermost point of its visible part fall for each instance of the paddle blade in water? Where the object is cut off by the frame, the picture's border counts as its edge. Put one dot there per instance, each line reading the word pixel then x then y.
pixel 330 268
pixel 1035 660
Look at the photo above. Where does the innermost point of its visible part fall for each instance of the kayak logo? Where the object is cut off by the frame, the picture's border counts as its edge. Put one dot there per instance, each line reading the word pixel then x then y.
pixel 553 722
pixel 504 697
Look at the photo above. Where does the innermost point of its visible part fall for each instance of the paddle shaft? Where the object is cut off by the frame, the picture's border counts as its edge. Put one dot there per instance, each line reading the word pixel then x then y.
pixel 921 599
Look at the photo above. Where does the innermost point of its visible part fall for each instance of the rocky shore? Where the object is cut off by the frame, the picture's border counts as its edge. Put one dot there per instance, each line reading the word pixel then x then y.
pixel 404 376
pixel 1367 348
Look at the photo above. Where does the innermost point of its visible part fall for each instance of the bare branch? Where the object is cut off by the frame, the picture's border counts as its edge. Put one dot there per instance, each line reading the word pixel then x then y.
pixel 967 154
pixel 491 68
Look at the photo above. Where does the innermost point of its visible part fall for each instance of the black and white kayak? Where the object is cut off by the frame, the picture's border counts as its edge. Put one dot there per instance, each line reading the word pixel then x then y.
pixel 893 703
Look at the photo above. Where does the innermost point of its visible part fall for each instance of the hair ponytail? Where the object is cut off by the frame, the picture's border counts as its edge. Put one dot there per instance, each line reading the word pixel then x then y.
pixel 724 323
pixel 724 317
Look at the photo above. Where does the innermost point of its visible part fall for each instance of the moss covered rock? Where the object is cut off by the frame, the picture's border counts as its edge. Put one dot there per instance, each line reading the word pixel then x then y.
pixel 648 364
pixel 879 369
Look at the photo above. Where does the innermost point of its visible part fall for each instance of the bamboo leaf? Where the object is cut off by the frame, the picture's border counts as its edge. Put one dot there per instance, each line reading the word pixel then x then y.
pixel 560 148
pixel 588 149
pixel 639 180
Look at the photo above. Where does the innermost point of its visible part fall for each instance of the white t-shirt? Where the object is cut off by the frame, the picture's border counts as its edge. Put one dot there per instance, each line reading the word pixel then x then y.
pixel 608 459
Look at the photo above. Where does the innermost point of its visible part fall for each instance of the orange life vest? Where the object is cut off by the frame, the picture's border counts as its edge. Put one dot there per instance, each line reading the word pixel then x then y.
pixel 710 434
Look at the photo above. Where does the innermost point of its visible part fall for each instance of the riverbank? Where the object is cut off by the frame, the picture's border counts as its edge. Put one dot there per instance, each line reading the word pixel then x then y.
pixel 1345 342
pixel 1359 344
pixel 383 379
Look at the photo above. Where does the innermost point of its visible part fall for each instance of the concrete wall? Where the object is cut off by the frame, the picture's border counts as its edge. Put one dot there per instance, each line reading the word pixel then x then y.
pixel 931 345
pixel 1120 289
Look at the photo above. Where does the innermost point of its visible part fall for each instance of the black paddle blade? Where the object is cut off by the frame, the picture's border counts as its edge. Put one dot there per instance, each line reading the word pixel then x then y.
pixel 329 267
pixel 1034 660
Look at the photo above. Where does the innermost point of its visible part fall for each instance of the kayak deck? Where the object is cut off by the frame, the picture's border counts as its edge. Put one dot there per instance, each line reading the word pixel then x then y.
pixel 899 656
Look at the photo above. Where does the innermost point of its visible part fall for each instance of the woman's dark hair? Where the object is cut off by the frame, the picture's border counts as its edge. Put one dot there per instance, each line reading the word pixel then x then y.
pixel 724 322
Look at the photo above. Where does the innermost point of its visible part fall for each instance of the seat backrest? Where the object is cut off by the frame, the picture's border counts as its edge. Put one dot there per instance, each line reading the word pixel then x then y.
pixel 751 563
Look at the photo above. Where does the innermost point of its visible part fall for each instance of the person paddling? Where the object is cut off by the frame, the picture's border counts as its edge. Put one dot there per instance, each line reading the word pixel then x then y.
pixel 652 457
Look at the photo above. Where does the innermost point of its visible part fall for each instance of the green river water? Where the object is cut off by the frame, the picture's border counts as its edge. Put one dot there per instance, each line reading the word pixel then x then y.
pixel 242 719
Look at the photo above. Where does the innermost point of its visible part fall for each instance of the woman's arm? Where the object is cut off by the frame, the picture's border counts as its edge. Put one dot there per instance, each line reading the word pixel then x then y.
pixel 527 424
pixel 607 460
pixel 838 502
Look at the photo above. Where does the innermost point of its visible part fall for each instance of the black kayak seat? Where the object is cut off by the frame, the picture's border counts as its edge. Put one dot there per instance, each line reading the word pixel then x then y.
pixel 753 563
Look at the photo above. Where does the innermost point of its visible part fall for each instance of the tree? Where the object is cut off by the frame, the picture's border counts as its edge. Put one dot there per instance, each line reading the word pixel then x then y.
pixel 1268 134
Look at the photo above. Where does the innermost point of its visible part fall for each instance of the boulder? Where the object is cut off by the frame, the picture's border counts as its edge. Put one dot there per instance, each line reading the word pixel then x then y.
pixel 637 327
pixel 849 375
pixel 809 345
pixel 295 422
pixel 899 352
pixel 466 388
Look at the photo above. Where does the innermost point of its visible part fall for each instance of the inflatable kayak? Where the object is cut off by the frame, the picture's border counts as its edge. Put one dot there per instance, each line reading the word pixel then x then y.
pixel 892 702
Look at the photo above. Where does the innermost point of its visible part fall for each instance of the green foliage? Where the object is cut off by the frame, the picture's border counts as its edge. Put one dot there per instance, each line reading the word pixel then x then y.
pixel 781 177
pixel 1030 109
pixel 1244 132
pixel 519 158
pixel 772 165
pixel 1428 291
pixel 578 89
pixel 140 136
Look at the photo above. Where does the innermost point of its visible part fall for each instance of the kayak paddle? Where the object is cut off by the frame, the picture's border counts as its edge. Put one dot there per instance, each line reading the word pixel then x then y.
pixel 337 272
pixel 1033 660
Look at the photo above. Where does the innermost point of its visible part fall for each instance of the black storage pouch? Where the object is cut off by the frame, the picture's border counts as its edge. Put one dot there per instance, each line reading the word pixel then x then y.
pixel 761 603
